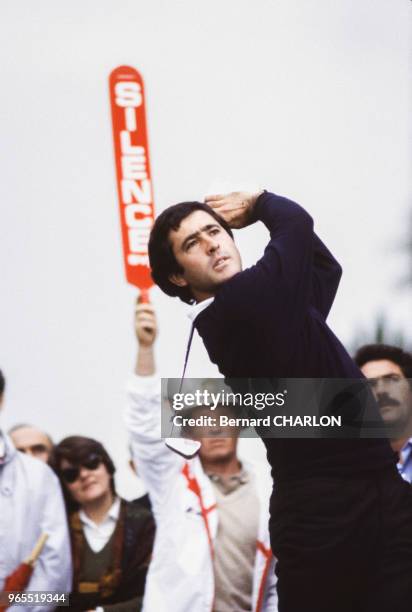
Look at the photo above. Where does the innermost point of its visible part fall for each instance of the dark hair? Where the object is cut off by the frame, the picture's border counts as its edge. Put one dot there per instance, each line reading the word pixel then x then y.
pixel 375 352
pixel 2 383
pixel 161 256
pixel 76 449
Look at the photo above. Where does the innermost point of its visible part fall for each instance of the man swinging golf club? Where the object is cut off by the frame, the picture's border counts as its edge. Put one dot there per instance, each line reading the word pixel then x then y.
pixel 340 513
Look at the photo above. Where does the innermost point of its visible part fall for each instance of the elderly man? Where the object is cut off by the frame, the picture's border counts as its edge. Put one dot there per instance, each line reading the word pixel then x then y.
pixel 31 504
pixel 31 440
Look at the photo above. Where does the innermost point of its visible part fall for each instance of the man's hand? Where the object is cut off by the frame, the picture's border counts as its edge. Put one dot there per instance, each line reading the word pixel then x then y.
pixel 145 325
pixel 236 208
pixel 146 331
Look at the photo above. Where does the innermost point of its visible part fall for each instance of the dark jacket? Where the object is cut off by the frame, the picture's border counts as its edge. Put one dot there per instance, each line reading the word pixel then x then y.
pixel 121 585
pixel 270 321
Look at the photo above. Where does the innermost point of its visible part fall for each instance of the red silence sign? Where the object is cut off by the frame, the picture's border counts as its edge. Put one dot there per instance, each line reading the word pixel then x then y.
pixel 133 172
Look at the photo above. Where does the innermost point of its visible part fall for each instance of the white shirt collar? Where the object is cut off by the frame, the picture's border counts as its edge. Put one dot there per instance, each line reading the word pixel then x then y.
pixel 196 309
pixel 111 516
pixel 407 446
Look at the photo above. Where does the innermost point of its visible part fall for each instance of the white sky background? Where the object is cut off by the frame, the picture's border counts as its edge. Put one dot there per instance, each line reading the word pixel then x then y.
pixel 309 99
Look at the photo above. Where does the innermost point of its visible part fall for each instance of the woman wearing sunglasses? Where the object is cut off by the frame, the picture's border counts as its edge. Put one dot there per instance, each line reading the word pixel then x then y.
pixel 112 539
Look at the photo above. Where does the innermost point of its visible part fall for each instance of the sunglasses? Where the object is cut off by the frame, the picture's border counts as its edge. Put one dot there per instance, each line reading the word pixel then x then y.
pixel 71 474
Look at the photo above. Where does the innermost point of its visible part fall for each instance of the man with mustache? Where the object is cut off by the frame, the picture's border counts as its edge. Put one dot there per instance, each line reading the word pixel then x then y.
pixel 337 503
pixel 389 369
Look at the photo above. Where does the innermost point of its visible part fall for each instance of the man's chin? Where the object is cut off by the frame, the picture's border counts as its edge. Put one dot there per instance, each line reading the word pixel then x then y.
pixel 218 456
pixel 226 274
pixel 390 416
pixel 218 451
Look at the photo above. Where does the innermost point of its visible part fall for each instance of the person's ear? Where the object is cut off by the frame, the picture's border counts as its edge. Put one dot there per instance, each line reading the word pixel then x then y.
pixel 177 279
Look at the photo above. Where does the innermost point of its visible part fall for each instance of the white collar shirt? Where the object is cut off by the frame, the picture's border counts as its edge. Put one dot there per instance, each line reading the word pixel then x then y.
pixel 196 309
pixel 97 535
pixel 405 464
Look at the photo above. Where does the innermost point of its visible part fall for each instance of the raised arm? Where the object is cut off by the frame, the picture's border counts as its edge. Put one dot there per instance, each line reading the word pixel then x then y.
pixel 239 210
pixel 155 463
pixel 273 295
pixel 146 332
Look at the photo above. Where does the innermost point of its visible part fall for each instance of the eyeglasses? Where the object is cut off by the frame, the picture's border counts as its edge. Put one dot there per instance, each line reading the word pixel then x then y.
pixel 71 474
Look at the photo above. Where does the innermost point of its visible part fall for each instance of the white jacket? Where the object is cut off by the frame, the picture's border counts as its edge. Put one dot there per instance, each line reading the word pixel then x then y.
pixel 181 576
pixel 31 503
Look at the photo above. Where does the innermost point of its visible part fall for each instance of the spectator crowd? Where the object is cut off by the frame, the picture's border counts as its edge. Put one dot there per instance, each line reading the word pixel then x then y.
pixel 197 541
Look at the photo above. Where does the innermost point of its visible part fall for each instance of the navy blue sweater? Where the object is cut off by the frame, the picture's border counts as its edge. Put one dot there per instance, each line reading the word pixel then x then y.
pixel 270 321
